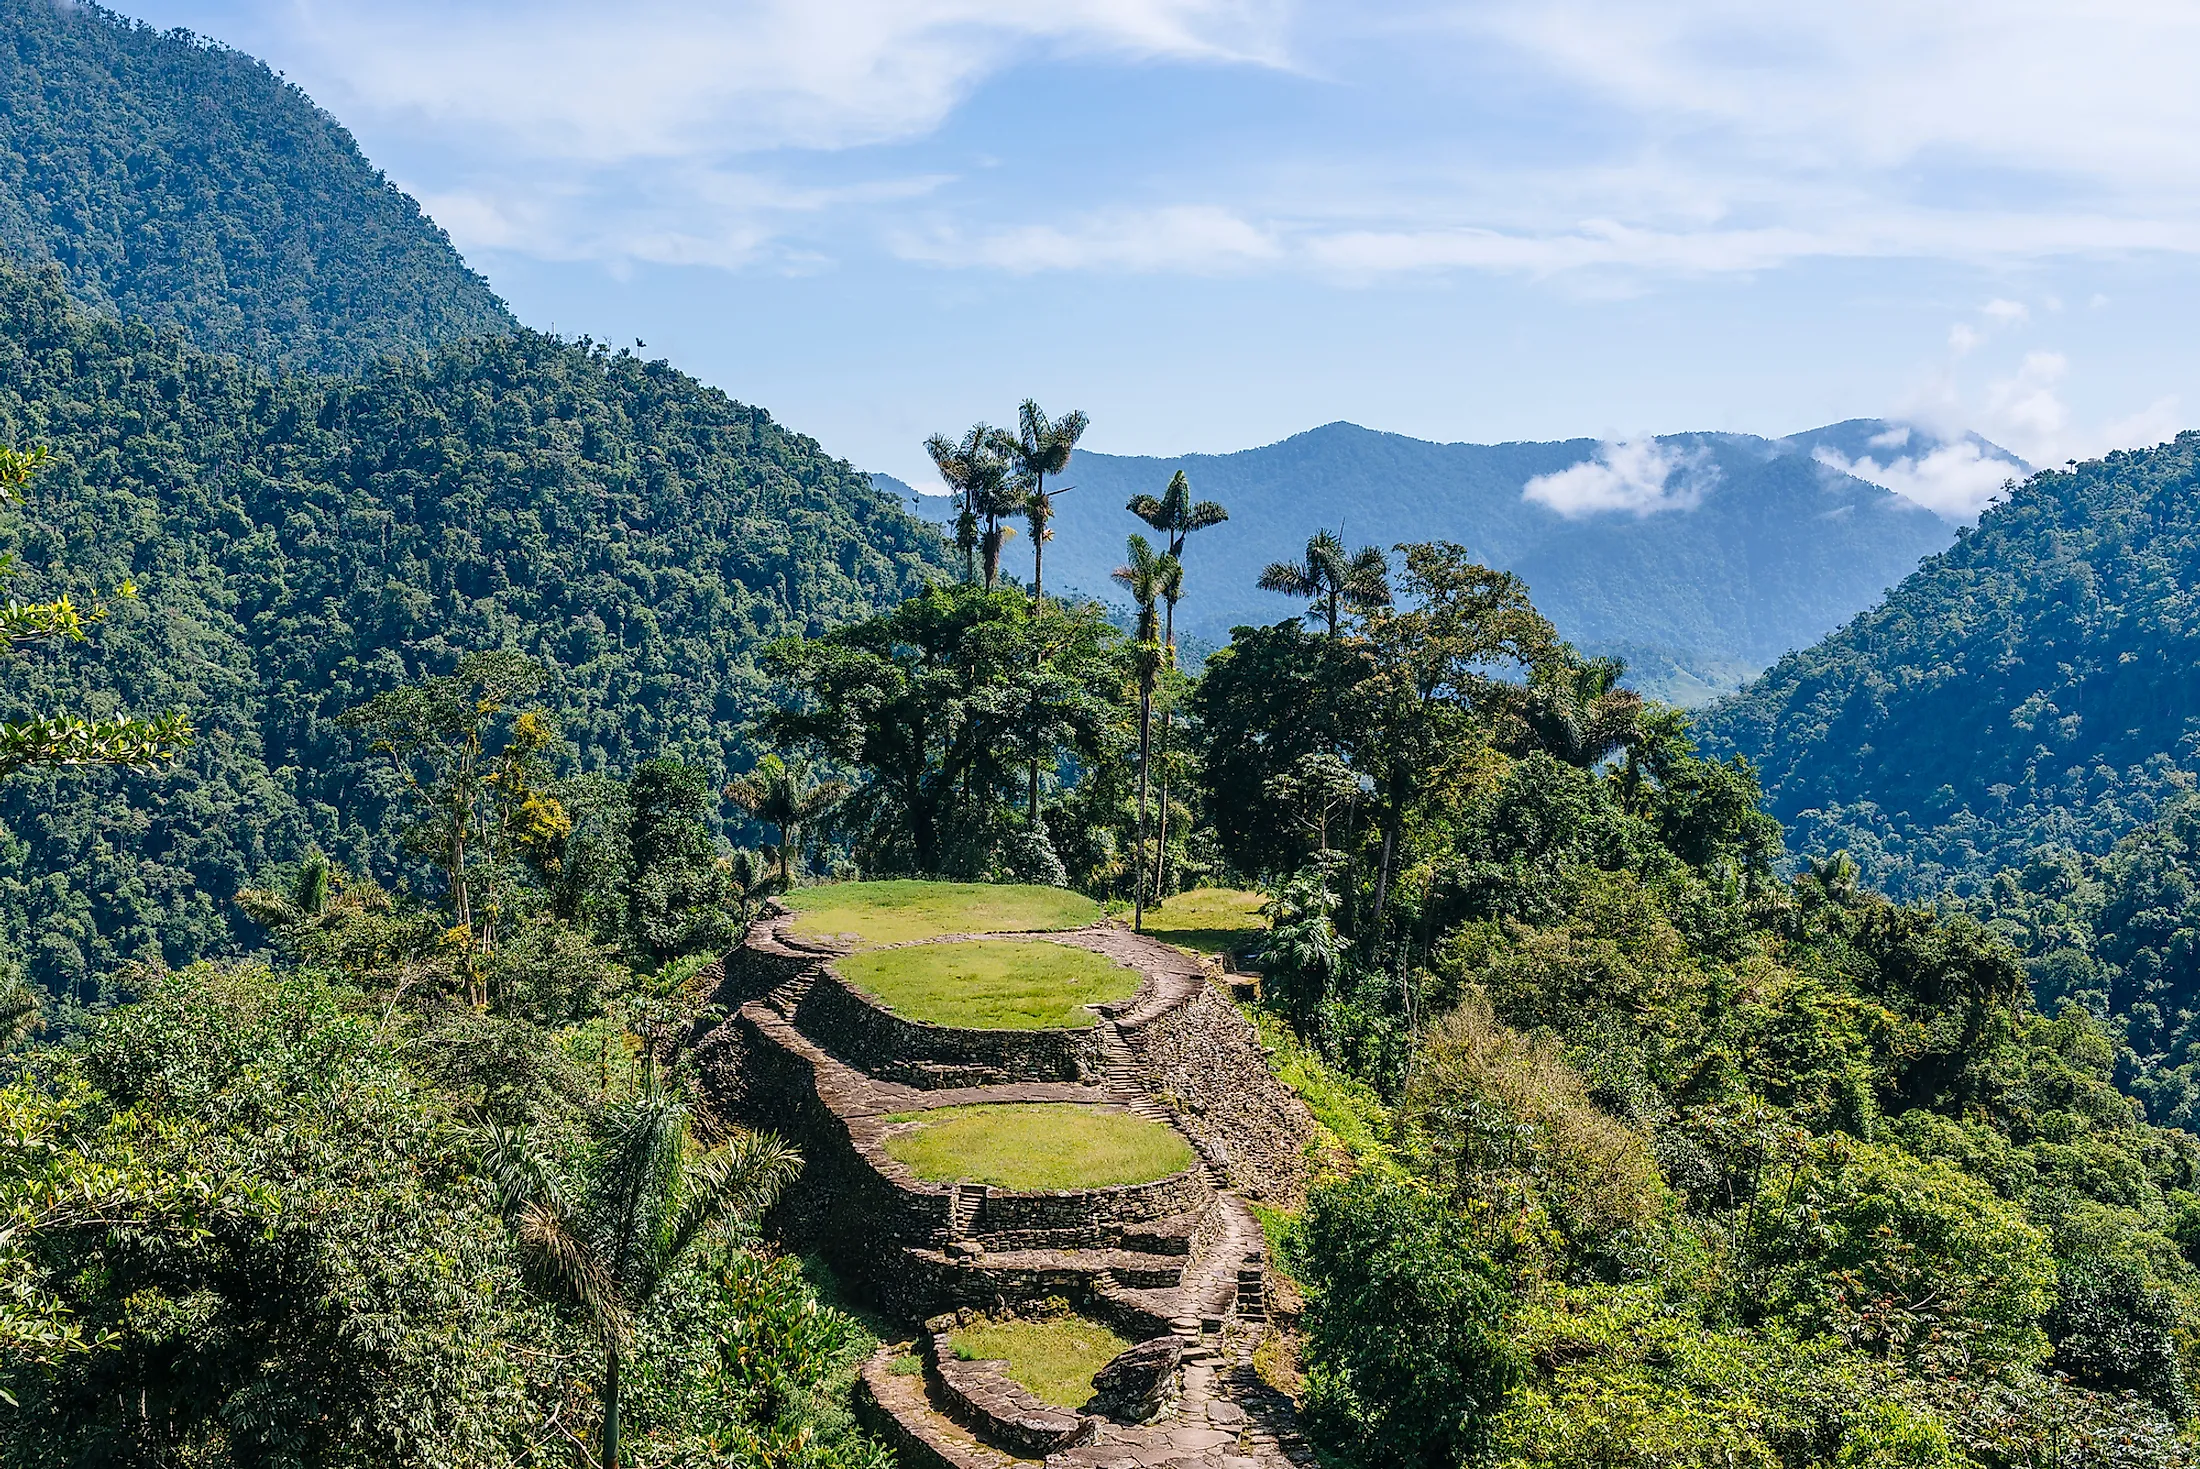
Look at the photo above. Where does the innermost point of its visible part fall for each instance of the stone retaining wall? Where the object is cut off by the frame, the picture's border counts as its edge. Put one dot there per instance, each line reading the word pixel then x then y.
pixel 1206 1059
pixel 867 1035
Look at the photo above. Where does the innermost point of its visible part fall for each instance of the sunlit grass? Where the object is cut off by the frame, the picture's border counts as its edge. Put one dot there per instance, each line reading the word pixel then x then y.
pixel 1348 1115
pixel 992 984
pixel 897 912
pixel 1054 1360
pixel 1208 920
pixel 1037 1145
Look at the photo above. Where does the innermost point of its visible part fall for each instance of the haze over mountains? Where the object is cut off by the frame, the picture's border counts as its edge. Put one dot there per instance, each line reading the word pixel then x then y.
pixel 1701 558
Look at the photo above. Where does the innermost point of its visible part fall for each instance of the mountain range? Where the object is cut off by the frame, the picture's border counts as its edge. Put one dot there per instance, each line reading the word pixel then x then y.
pixel 1699 557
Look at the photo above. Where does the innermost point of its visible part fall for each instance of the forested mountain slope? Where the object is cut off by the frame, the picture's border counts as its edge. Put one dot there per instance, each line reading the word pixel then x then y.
pixel 302 543
pixel 185 183
pixel 1762 549
pixel 2036 685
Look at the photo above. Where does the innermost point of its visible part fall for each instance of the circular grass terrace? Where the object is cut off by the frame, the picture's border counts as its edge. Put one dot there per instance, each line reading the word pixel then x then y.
pixel 900 911
pixel 992 984
pixel 1030 1146
pixel 1052 1359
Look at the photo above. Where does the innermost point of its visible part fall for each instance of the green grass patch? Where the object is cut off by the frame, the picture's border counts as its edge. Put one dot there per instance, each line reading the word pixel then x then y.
pixel 1275 1228
pixel 1054 1360
pixel 897 912
pixel 1037 1145
pixel 992 984
pixel 1209 920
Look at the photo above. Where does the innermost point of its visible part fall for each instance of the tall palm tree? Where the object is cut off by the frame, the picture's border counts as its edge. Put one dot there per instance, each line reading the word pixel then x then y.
pixel 1176 516
pixel 650 1194
pixel 1041 447
pixel 784 796
pixel 1143 576
pixel 1332 580
pixel 972 468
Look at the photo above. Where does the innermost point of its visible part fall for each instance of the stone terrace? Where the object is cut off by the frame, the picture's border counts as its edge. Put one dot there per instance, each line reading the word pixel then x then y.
pixel 817 1060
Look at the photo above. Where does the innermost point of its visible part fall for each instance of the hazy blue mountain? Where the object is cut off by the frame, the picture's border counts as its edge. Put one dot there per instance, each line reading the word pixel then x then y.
pixel 179 181
pixel 1763 550
pixel 2036 686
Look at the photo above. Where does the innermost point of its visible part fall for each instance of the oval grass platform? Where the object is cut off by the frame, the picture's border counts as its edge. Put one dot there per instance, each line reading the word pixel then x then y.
pixel 898 912
pixel 992 984
pixel 1052 1359
pixel 1209 920
pixel 1030 1146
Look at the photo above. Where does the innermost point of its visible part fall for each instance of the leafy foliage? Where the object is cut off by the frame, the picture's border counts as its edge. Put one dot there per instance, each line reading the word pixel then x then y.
pixel 183 183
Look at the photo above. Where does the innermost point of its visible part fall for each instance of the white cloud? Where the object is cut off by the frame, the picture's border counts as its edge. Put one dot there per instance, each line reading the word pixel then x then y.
pixel 1193 238
pixel 1639 477
pixel 2006 313
pixel 602 84
pixel 1963 338
pixel 1955 480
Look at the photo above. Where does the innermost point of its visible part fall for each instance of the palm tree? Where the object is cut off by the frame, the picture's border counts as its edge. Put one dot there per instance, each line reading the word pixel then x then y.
pixel 783 796
pixel 959 465
pixel 1144 576
pixel 651 1193
pixel 1332 580
pixel 1579 714
pixel 19 1014
pixel 1041 447
pixel 1175 516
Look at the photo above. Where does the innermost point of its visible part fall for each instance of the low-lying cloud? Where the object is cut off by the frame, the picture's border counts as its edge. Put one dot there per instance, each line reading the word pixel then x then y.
pixel 1953 480
pixel 1640 477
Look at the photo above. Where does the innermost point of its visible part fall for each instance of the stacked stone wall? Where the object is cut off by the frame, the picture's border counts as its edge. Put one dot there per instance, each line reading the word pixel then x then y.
pixel 867 1035
pixel 1207 1061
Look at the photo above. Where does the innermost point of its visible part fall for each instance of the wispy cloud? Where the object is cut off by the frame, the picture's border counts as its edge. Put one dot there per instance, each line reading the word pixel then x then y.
pixel 1195 239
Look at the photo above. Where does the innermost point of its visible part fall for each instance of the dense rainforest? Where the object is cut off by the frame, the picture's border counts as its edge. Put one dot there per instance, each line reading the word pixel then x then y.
pixel 182 183
pixel 303 543
pixel 1633 1151
pixel 2035 686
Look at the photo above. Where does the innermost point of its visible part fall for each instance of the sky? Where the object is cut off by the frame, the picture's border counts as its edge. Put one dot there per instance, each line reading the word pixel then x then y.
pixel 1214 223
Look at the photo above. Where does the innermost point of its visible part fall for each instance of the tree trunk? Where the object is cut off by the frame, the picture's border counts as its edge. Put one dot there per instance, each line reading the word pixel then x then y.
pixel 1161 816
pixel 1382 884
pixel 1138 866
pixel 1033 817
pixel 611 1408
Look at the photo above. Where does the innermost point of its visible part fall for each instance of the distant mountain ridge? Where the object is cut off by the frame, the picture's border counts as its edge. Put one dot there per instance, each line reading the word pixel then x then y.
pixel 2035 686
pixel 183 183
pixel 1764 550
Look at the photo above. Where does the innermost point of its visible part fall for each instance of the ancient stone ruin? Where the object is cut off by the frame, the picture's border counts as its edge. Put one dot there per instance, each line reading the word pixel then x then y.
pixel 1174 1265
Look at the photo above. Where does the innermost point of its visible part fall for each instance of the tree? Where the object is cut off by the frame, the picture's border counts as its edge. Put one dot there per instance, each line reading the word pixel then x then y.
pixel 1144 576
pixel 1578 713
pixel 783 796
pixel 60 739
pixel 651 1193
pixel 1440 668
pixel 1407 1348
pixel 679 899
pixel 978 467
pixel 1332 580
pixel 1042 447
pixel 1175 516
pixel 942 702
pixel 475 774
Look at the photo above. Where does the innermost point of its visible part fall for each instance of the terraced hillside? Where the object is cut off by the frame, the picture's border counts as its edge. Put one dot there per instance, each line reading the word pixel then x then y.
pixel 1027 1198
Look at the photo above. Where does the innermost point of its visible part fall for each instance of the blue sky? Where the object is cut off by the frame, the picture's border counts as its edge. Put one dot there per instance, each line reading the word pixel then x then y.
pixel 1213 223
